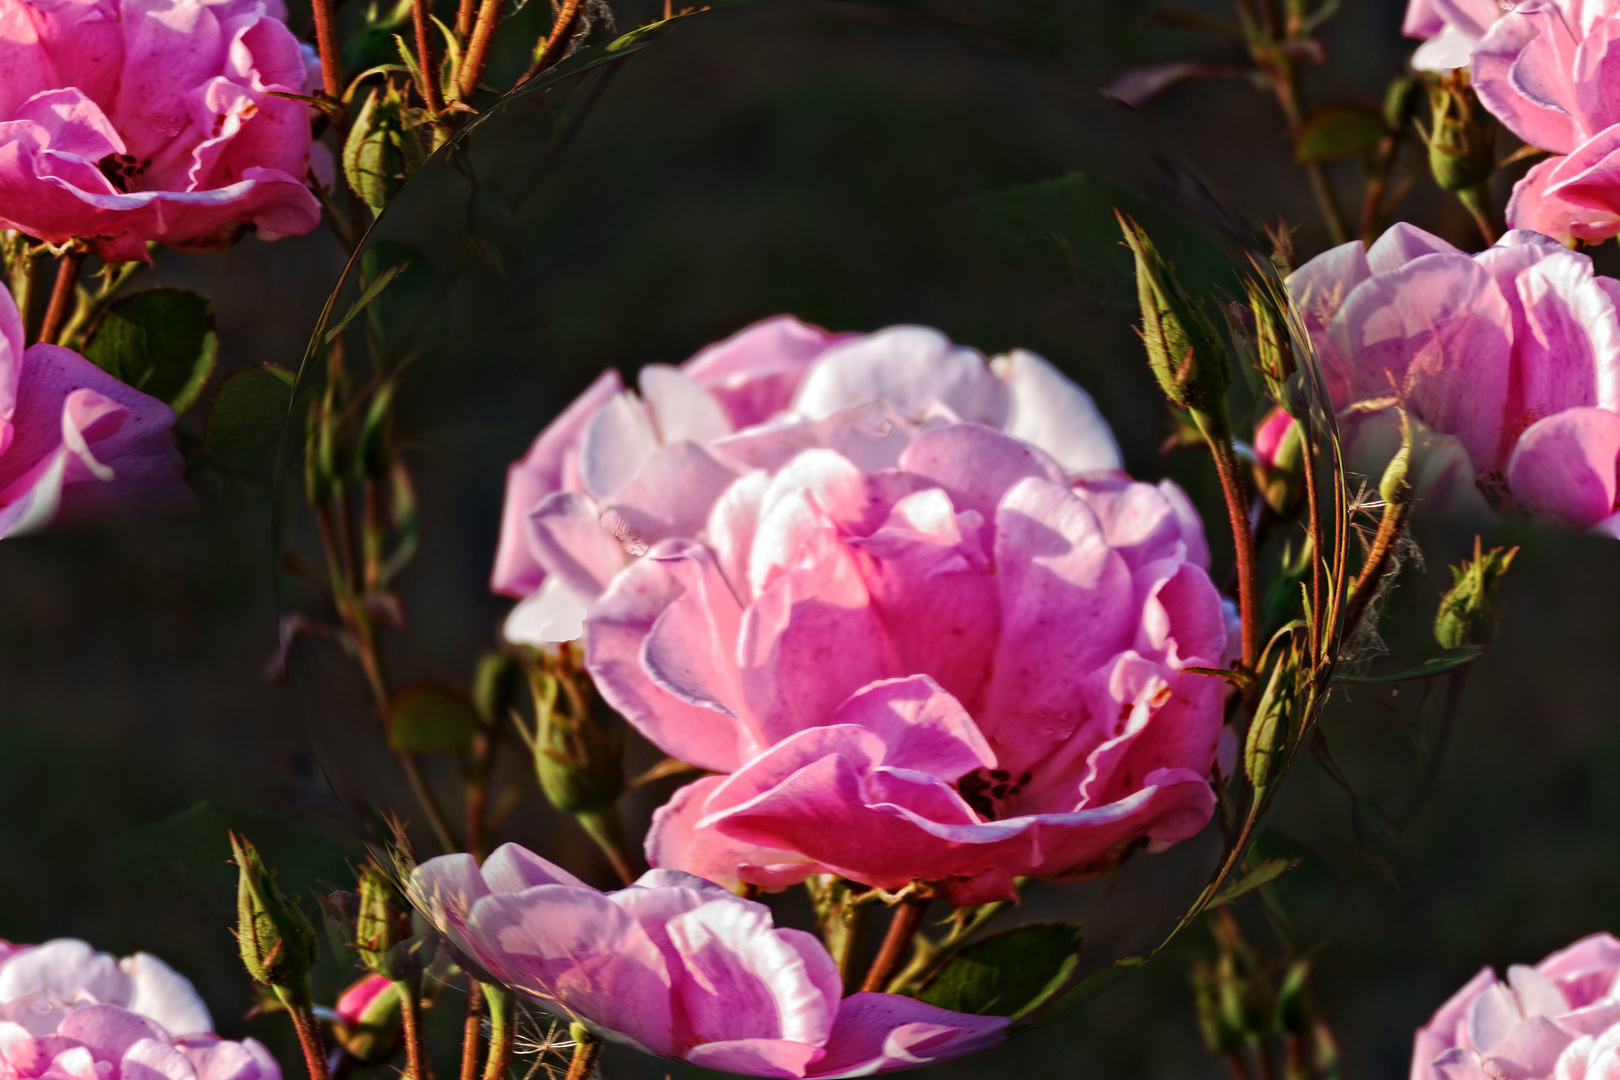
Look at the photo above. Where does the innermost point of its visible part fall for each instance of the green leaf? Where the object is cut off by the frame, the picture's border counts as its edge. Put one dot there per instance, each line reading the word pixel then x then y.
pixel 372 291
pixel 1339 131
pixel 1263 874
pixel 160 341
pixel 1007 974
pixel 1447 662
pixel 430 720
pixel 245 418
pixel 1094 985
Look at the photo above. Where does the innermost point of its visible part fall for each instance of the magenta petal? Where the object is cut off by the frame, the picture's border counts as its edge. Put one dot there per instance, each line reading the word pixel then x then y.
pixel 691 649
pixel 155 1059
pixel 755 1057
pixel 881 1032
pixel 976 465
pixel 674 841
pixel 1565 466
pixel 512 868
pixel 755 372
pixel 107 1030
pixel 1523 71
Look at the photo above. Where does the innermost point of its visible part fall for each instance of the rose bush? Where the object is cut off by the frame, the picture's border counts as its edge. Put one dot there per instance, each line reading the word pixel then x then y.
pixel 617 472
pixel 124 121
pixel 676 966
pixel 1543 71
pixel 74 441
pixel 1510 359
pixel 1559 1019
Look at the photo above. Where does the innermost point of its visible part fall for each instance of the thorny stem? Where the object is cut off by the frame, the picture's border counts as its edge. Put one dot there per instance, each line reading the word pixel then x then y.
pixel 62 294
pixel 464 19
pixel 908 916
pixel 429 88
pixel 489 14
pixel 1237 507
pixel 502 1031
pixel 587 1048
pixel 472 1030
pixel 309 1035
pixel 326 44
pixel 1313 501
pixel 560 31
pixel 410 1014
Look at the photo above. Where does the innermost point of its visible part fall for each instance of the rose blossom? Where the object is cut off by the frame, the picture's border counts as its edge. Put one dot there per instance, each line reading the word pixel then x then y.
pixel 617 472
pixel 1559 1019
pixel 123 121
pixel 1543 71
pixel 1509 358
pixel 921 653
pixel 74 441
pixel 1451 29
pixel 679 967
pixel 68 1012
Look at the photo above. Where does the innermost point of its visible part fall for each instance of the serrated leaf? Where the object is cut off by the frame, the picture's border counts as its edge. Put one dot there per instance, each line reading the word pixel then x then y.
pixel 1447 662
pixel 160 341
pixel 1094 985
pixel 245 418
pixel 1339 131
pixel 1007 974
pixel 430 720
pixel 1261 875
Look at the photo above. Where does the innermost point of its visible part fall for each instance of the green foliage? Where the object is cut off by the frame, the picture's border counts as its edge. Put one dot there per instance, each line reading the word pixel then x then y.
pixel 1185 352
pixel 427 719
pixel 1007 974
pixel 1339 131
pixel 1275 729
pixel 1444 664
pixel 1094 985
pixel 246 416
pixel 383 149
pixel 160 341
pixel 1259 876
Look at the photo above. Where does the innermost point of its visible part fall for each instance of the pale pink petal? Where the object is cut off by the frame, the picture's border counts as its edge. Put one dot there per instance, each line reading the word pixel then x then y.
pixel 755 372
pixel 615 443
pixel 554 614
pixel 691 649
pixel 675 842
pixel 975 465
pixel 670 495
pixel 566 538
pixel 907 368
pixel 1401 243
pixel 159 992
pixel 64 968
pixel 681 408
pixel 1523 71
pixel 542 472
pixel 107 1030
pixel 155 1059
pixel 1051 412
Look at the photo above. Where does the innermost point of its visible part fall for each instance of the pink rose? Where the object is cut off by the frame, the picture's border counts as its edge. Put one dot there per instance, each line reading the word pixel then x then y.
pixel 74 441
pixel 617 472
pixel 123 121
pixel 1559 1019
pixel 922 654
pixel 1269 436
pixel 355 1003
pixel 1510 360
pixel 679 967
pixel 1451 29
pixel 68 973
pixel 1543 71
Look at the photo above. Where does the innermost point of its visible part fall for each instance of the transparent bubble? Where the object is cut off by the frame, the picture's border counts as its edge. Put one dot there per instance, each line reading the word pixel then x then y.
pixel 856 168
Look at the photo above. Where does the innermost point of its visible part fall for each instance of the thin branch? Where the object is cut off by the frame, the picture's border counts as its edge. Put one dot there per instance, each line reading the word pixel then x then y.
pixel 472 65
pixel 1237 506
pixel 326 44
pixel 62 294
pixel 429 87
pixel 546 52
pixel 907 919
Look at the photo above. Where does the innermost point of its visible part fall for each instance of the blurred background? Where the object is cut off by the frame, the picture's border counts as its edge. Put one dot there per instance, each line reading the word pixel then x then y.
pixel 136 723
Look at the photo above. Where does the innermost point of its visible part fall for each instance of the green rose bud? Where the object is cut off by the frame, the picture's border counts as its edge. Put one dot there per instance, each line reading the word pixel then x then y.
pixel 277 942
pixel 383 149
pixel 1185 352
pixel 382 927
pixel 1462 136
pixel 1468 612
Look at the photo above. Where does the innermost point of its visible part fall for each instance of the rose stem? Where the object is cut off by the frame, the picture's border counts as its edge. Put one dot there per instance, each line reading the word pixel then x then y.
pixel 410 1015
pixel 502 1032
pixel 424 59
pixel 326 44
pixel 1243 541
pixel 67 280
pixel 559 33
pixel 464 19
pixel 472 1030
pixel 908 917
pixel 472 68
pixel 309 1036
pixel 587 1048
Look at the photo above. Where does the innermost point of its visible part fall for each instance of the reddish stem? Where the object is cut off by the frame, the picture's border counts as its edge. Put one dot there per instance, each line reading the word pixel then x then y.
pixel 67 281
pixel 428 87
pixel 1237 503
pixel 902 928
pixel 309 1040
pixel 326 44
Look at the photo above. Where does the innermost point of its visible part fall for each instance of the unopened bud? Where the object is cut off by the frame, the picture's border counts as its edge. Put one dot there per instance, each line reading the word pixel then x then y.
pixel 383 149
pixel 580 767
pixel 1273 345
pixel 1185 352
pixel 1279 452
pixel 1468 612
pixel 382 927
pixel 1274 731
pixel 1462 135
pixel 1393 488
pixel 277 942
pixel 368 1021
